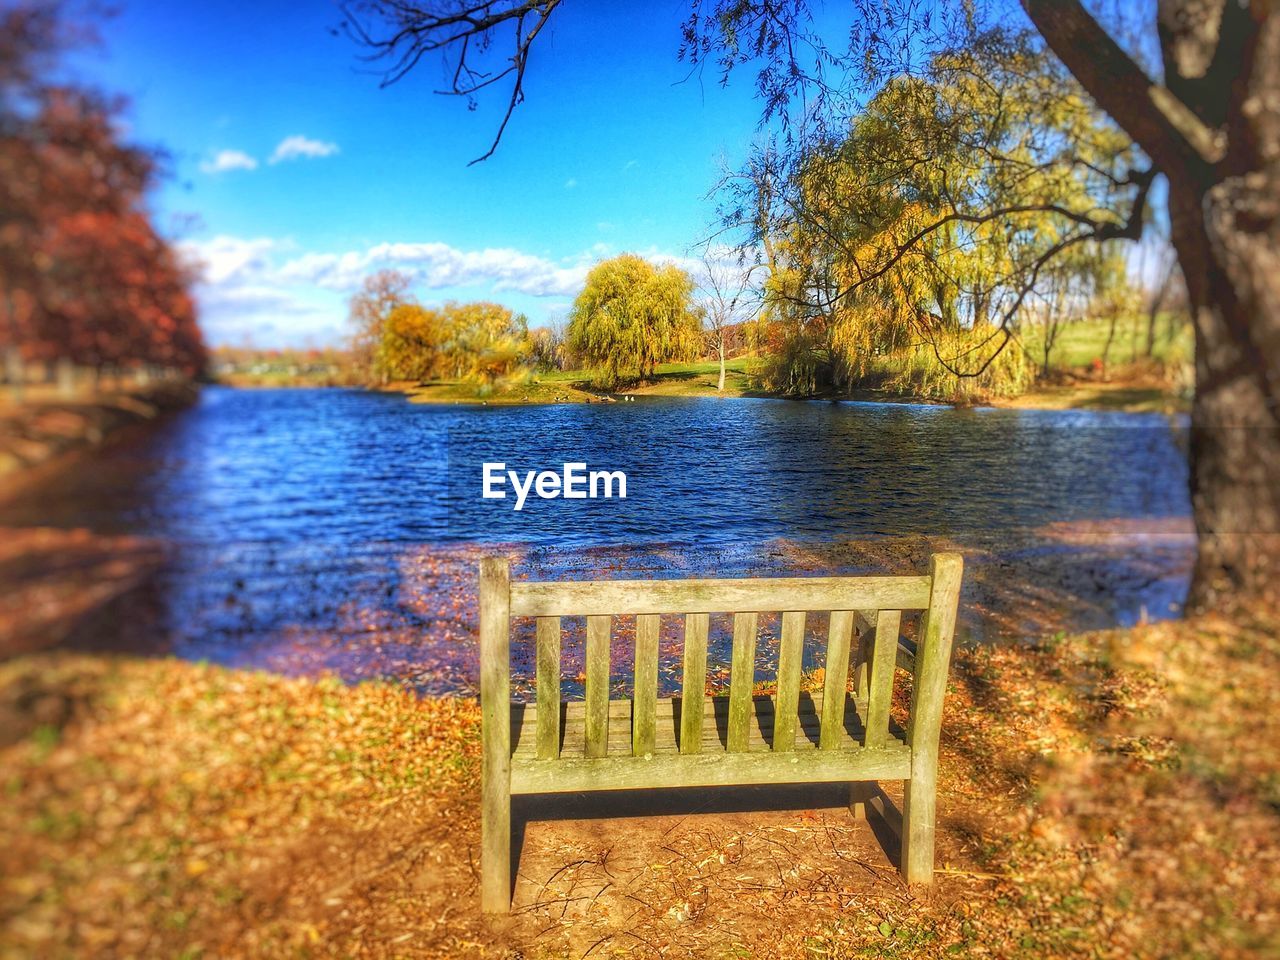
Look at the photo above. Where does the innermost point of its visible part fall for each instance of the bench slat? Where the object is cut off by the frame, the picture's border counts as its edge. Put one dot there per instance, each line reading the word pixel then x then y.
pixel 715 725
pixel 884 647
pixel 668 709
pixel 864 622
pixel 693 686
pixel 790 651
pixel 706 770
pixel 548 688
pixel 839 633
pixel 742 678
pixel 761 595
pixel 598 630
pixel 646 684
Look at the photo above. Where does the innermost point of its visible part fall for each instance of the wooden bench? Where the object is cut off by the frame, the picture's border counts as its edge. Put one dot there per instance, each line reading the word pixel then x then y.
pixel 697 741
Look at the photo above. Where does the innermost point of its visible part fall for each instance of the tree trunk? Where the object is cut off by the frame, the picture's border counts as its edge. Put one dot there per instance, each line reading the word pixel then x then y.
pixel 1213 128
pixel 1111 335
pixel 720 385
pixel 1228 244
pixel 1157 301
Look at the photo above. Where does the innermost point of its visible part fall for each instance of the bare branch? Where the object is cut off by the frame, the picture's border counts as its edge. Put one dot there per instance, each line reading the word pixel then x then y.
pixel 1160 123
pixel 461 33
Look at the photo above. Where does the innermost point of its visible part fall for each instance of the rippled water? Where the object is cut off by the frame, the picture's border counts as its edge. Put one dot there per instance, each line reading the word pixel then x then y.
pixel 289 509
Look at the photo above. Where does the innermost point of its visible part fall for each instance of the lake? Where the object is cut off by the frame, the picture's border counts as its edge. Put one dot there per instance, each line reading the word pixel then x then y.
pixel 316 530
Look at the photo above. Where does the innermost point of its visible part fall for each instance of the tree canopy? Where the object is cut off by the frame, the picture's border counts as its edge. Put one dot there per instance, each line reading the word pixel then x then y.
pixel 631 316
pixel 931 222
pixel 85 274
pixel 482 344
pixel 367 311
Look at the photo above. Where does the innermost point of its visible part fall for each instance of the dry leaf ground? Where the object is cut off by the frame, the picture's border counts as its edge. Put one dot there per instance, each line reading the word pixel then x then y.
pixel 1113 794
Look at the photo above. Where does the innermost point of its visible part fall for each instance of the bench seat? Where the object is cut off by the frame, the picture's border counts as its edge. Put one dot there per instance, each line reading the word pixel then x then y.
pixel 712 764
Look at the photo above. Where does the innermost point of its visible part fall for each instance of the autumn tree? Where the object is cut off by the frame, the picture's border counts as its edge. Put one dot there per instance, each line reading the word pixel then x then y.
pixel 380 293
pixel 410 346
pixel 549 351
pixel 882 243
pixel 84 274
pixel 631 316
pixel 481 344
pixel 488 344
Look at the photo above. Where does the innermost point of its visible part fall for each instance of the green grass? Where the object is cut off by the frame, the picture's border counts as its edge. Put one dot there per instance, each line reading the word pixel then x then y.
pixel 1080 343
pixel 734 365
pixel 699 379
pixel 560 386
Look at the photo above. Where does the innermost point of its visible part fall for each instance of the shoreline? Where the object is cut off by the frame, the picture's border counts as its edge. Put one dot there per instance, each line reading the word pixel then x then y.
pixel 1131 391
pixel 1020 583
pixel 45 436
pixel 1104 397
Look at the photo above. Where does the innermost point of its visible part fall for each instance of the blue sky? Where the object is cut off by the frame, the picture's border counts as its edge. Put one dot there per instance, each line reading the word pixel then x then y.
pixel 300 174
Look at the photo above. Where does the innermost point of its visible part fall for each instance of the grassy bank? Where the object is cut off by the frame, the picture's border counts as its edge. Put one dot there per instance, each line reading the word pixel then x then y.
pixel 1103 795
pixel 1129 381
pixel 1126 391
pixel 46 427
pixel 697 379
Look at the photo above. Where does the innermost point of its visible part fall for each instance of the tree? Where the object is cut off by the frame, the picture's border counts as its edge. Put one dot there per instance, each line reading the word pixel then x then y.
pixel 728 299
pixel 548 350
pixel 367 311
pixel 482 344
pixel 882 241
pixel 488 344
pixel 1197 93
pixel 411 342
pixel 84 274
pixel 631 316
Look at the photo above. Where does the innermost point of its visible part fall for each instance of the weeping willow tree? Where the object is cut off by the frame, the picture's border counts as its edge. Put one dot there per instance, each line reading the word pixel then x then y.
pixel 631 316
pixel 887 262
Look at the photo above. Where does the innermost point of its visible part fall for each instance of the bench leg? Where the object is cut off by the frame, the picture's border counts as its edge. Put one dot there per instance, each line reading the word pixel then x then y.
pixel 918 812
pixel 495 847
pixel 860 792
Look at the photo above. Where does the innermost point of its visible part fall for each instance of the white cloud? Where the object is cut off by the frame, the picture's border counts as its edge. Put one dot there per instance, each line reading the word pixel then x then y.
pixel 629 164
pixel 436 266
pixel 295 147
pixel 224 259
pixel 240 295
pixel 229 160
pixel 570 183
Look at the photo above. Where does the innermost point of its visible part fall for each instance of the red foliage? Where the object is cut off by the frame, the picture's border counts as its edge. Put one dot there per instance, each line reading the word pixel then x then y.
pixel 83 272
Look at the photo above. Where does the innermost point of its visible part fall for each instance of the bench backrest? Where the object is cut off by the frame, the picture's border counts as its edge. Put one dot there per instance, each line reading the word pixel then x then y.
pixel 875 604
